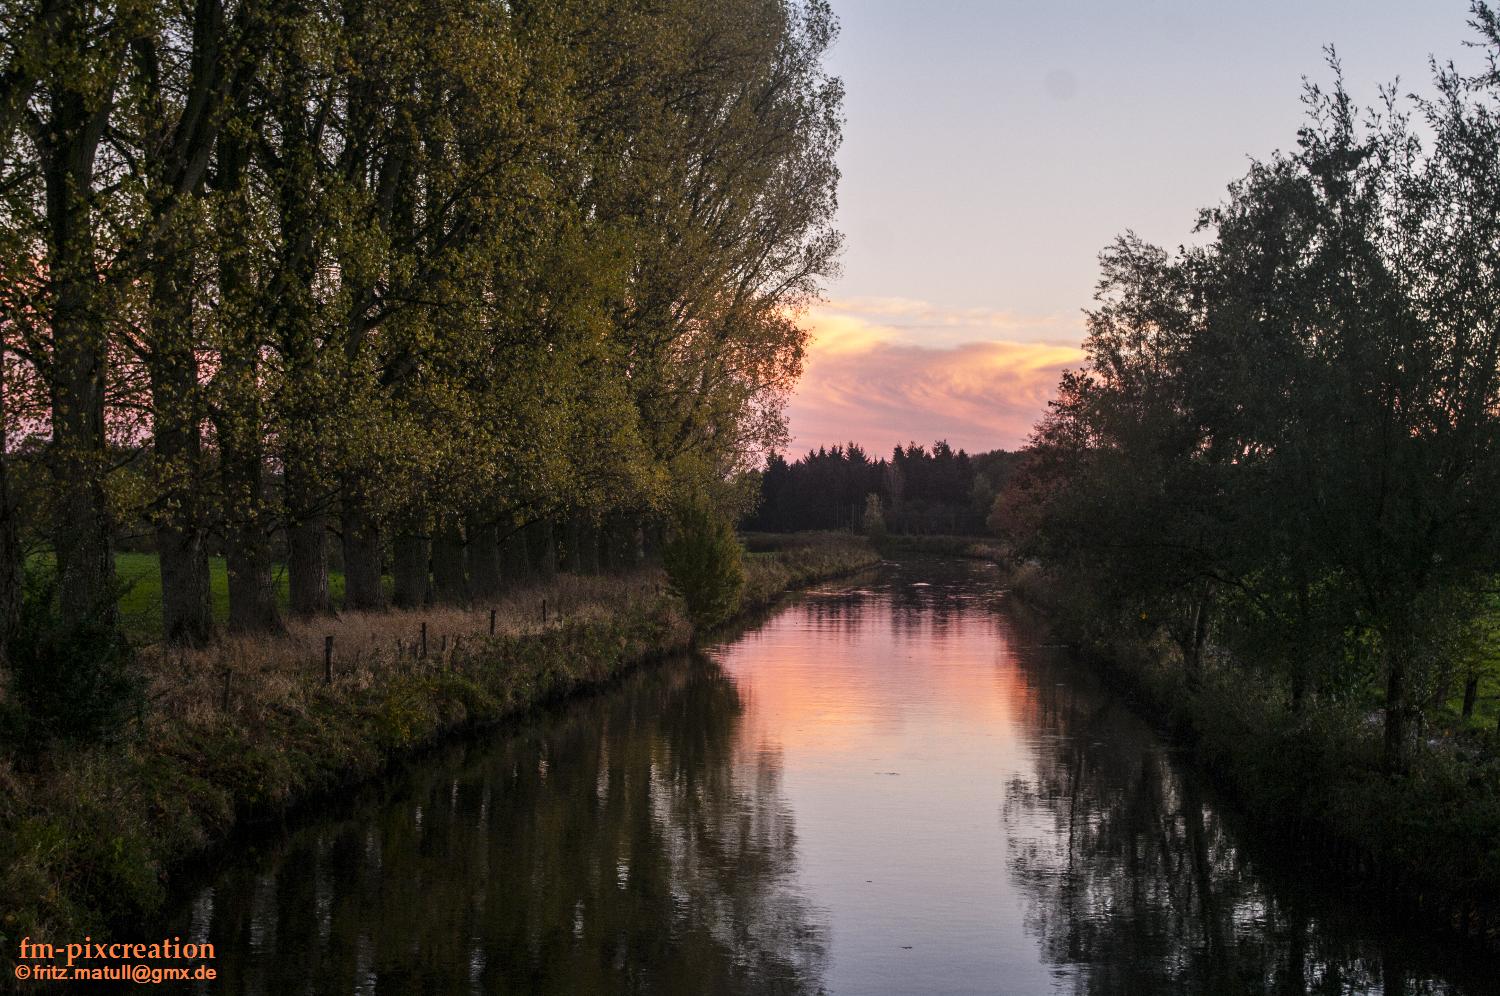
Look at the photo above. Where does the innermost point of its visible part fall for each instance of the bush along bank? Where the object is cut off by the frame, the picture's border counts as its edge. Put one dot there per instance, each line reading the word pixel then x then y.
pixel 246 728
pixel 1426 840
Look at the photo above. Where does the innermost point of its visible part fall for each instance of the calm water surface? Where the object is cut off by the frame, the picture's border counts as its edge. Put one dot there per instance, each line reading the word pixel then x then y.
pixel 889 786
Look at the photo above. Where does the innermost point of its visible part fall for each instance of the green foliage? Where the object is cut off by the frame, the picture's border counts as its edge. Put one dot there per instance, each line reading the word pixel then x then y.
pixel 704 564
pixel 1264 443
pixel 73 679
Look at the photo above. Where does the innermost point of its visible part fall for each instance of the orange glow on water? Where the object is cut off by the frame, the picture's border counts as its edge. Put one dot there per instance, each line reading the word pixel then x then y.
pixel 875 677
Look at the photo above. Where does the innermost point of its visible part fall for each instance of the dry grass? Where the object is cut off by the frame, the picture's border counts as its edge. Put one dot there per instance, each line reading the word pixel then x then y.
pixel 369 647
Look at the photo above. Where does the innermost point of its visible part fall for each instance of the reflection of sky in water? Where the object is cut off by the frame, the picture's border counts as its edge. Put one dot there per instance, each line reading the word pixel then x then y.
pixel 894 714
pixel 888 787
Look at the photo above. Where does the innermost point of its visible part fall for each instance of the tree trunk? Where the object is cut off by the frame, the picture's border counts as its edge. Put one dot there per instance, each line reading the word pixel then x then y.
pixel 181 543
pixel 186 605
pixel 515 559
pixel 247 554
pixel 542 546
pixel 364 589
pixel 483 557
pixel 448 583
pixel 1199 637
pixel 410 551
pixel 237 417
pixel 572 541
pixel 302 400
pixel 306 546
pixel 651 541
pixel 584 558
pixel 10 539
pixel 1471 695
pixel 611 555
pixel 1397 718
pixel 1300 658
pixel 79 460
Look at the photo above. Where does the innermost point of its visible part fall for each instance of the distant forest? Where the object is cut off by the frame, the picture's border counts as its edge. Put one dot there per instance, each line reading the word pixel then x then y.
pixel 917 490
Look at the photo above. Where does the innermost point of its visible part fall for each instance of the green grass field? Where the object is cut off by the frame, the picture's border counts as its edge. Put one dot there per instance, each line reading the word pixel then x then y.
pixel 140 590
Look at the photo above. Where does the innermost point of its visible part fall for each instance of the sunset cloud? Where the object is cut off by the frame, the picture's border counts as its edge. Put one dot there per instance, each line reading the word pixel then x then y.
pixel 885 370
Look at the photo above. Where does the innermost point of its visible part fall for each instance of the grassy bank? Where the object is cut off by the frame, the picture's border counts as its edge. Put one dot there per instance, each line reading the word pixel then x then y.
pixel 243 729
pixel 1428 838
pixel 893 544
pixel 973 547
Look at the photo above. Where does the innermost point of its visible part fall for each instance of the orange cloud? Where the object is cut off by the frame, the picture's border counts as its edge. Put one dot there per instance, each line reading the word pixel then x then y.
pixel 887 371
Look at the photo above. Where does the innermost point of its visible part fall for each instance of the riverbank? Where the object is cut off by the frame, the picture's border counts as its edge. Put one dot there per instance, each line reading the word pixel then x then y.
pixel 968 547
pixel 246 728
pixel 1428 838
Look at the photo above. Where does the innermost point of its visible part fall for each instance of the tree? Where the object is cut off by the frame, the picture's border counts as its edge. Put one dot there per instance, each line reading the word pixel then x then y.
pixel 1300 418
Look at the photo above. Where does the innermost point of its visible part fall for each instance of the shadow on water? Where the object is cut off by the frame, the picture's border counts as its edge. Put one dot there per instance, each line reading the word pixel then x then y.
pixel 617 845
pixel 1135 876
pixel 889 785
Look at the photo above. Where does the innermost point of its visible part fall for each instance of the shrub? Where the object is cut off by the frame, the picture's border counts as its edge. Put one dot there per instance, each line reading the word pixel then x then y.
pixel 70 679
pixel 704 564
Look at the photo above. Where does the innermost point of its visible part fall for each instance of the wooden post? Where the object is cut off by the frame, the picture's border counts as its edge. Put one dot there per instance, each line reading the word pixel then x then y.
pixel 424 638
pixel 224 705
pixel 492 622
pixel 443 645
pixel 544 612
pixel 328 659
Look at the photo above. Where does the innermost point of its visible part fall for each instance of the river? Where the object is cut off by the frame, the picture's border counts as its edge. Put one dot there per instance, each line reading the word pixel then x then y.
pixel 888 785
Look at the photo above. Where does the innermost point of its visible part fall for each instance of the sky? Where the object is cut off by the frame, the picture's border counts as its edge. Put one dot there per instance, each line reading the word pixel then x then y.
pixel 991 149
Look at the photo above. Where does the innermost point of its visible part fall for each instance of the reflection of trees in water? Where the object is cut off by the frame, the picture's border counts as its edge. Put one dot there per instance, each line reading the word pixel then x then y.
pixel 925 598
pixel 624 846
pixel 844 614
pixel 1133 881
pixel 937 596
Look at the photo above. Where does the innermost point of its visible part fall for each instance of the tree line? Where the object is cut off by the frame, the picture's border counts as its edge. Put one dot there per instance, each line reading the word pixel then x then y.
pixel 1285 441
pixel 917 490
pixel 427 288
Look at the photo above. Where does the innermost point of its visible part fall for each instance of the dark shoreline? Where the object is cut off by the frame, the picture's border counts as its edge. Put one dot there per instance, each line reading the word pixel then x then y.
pixel 1213 732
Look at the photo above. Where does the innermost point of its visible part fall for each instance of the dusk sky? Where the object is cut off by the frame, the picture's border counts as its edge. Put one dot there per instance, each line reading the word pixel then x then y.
pixel 993 148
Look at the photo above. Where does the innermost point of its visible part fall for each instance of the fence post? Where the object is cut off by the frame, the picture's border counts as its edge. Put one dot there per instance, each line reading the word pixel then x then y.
pixel 492 622
pixel 328 659
pixel 544 612
pixel 224 705
pixel 424 638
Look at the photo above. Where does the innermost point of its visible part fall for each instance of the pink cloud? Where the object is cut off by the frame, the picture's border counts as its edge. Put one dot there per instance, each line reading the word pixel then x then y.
pixel 870 381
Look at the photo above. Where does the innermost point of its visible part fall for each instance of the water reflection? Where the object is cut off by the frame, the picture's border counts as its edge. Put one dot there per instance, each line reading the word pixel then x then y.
pixel 624 846
pixel 888 786
pixel 1135 879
